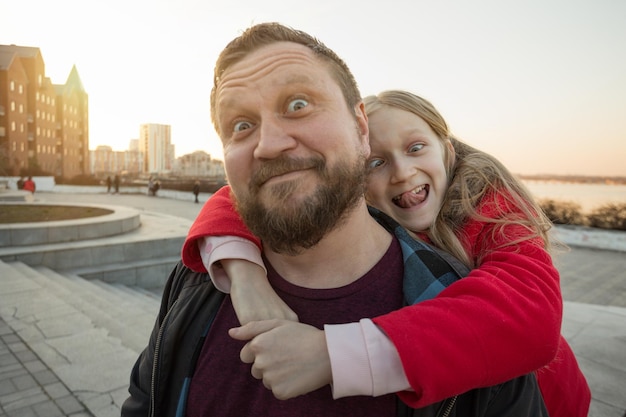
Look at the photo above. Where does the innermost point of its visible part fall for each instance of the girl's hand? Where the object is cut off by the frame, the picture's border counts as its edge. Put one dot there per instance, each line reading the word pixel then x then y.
pixel 252 295
pixel 291 358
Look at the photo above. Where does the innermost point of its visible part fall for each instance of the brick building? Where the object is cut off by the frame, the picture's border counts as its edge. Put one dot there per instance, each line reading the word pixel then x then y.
pixel 43 127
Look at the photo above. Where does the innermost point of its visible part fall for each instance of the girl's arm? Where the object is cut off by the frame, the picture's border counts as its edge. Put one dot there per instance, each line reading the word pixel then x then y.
pixel 236 267
pixel 232 256
pixel 500 321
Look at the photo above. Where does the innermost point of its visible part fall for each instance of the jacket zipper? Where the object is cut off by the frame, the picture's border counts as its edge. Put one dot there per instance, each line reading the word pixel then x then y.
pixel 155 360
pixel 449 407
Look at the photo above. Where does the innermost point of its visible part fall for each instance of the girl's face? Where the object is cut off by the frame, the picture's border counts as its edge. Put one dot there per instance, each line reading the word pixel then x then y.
pixel 407 178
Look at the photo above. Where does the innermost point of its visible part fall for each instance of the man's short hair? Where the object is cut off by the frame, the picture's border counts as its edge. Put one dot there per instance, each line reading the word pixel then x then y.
pixel 265 34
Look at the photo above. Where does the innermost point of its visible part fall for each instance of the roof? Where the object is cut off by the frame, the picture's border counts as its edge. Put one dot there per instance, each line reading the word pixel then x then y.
pixel 6 58
pixel 22 51
pixel 73 80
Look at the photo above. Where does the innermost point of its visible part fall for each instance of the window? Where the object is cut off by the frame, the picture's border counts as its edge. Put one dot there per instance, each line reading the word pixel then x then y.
pixel 12 106
pixel 20 89
pixel 21 108
pixel 12 86
pixel 12 126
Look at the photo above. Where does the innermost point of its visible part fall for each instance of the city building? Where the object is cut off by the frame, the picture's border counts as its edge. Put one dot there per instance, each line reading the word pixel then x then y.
pixel 156 146
pixel 43 127
pixel 199 164
pixel 106 162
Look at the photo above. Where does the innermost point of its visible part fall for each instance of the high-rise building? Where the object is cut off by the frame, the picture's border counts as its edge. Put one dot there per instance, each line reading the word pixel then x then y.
pixel 43 127
pixel 156 146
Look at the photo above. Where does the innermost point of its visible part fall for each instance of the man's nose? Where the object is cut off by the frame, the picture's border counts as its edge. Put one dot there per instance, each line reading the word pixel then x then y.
pixel 274 139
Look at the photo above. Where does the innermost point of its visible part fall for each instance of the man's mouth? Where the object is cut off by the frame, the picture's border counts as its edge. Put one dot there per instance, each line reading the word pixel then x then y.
pixel 281 167
pixel 412 198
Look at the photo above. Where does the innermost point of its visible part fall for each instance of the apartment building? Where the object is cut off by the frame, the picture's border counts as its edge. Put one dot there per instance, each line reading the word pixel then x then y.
pixel 199 164
pixel 155 143
pixel 105 161
pixel 43 127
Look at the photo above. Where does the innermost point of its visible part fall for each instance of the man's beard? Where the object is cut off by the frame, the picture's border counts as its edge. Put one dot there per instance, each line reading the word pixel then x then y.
pixel 295 224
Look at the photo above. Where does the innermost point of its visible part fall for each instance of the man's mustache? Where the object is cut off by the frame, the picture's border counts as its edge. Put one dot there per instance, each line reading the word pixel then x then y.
pixel 283 165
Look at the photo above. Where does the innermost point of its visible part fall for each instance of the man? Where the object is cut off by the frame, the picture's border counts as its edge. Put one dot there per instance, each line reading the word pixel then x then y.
pixel 295 139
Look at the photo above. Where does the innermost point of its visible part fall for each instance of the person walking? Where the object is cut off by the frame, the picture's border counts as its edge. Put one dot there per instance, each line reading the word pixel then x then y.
pixel 196 190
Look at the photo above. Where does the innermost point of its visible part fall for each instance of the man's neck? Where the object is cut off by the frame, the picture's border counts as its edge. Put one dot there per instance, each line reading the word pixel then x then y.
pixel 340 258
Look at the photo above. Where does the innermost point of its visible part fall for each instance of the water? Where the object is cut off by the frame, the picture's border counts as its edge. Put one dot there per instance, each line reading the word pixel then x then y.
pixel 589 196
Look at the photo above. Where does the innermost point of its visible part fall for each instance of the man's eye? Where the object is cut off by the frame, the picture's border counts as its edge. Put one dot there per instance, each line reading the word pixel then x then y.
pixel 297 104
pixel 374 163
pixel 241 126
pixel 416 147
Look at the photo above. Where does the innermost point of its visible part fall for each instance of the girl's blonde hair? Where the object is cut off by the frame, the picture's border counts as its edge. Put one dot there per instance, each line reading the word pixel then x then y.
pixel 473 176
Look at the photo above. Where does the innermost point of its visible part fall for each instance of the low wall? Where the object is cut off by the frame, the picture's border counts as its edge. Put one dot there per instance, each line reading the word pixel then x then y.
pixel 42 183
pixel 124 189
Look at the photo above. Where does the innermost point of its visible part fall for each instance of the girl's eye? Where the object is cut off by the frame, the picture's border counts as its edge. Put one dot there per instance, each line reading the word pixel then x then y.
pixel 297 104
pixel 241 126
pixel 374 163
pixel 415 148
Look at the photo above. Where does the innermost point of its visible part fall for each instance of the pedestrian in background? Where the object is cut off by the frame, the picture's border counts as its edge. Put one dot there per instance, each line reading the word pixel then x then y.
pixel 29 185
pixel 196 190
pixel 116 183
pixel 109 184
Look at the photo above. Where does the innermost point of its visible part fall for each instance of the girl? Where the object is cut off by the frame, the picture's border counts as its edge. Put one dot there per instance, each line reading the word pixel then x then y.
pixel 501 321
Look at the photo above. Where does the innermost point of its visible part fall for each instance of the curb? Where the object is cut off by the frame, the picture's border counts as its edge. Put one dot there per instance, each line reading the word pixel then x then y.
pixel 591 238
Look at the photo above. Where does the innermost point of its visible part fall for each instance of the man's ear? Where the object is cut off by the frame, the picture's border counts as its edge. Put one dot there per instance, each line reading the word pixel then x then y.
pixel 361 120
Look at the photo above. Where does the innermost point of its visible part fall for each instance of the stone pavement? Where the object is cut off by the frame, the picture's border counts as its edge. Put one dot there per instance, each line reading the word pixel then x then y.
pixel 594 289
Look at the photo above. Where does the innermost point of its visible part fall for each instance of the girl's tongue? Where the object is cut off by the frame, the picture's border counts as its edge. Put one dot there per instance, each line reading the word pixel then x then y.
pixel 411 199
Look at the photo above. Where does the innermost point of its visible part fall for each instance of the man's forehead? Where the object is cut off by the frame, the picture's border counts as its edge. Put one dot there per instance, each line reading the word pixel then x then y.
pixel 269 58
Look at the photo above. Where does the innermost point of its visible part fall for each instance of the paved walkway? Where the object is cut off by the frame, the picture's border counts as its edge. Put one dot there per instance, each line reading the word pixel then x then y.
pixel 594 290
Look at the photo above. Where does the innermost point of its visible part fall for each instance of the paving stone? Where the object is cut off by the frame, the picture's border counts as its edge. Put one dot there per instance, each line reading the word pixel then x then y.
pixel 69 404
pixel 35 366
pixel 25 356
pixel 25 382
pixel 56 390
pixel 47 409
pixel 7 387
pixel 17 347
pixel 45 377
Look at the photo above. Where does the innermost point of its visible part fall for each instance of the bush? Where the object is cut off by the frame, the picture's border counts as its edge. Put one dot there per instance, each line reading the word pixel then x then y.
pixel 563 212
pixel 610 216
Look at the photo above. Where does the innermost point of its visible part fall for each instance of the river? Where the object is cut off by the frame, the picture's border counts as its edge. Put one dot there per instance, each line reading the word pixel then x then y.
pixel 589 196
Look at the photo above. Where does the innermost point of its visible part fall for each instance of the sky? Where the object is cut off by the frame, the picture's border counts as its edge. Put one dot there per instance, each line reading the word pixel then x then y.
pixel 540 84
